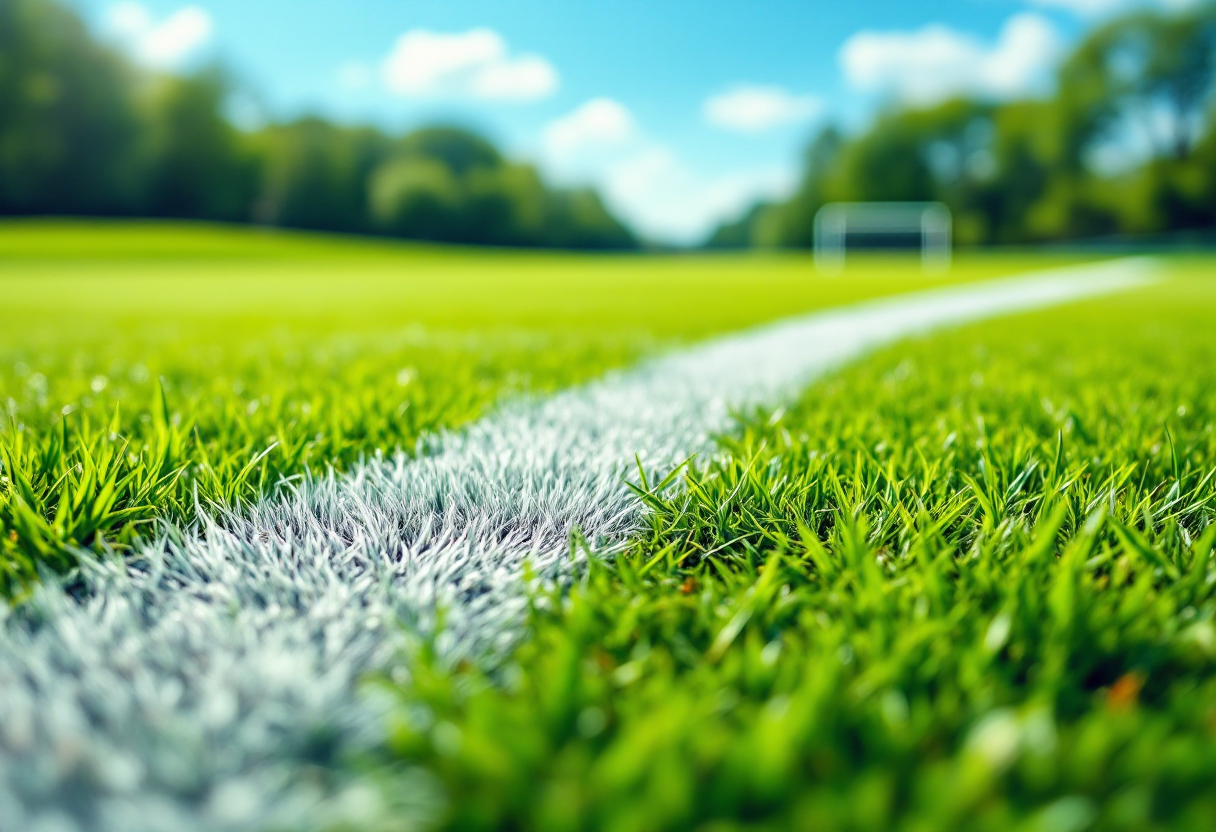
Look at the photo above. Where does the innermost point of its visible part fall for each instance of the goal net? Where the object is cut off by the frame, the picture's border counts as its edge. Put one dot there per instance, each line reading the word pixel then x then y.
pixel 839 225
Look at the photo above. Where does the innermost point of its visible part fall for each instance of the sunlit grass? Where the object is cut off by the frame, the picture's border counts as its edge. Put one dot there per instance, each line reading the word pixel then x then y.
pixel 147 368
pixel 965 584
pixel 107 276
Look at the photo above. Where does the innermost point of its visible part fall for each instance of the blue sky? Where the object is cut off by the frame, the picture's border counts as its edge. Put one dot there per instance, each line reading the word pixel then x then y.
pixel 682 112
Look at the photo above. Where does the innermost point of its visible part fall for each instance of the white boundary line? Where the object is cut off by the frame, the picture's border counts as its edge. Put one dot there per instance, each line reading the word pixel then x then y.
pixel 191 688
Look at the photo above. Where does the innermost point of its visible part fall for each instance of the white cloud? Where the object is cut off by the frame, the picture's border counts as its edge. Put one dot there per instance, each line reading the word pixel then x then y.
pixel 1101 8
pixel 755 109
pixel 423 62
pixel 936 62
pixel 599 124
pixel 164 44
pixel 644 181
pixel 523 78
pixel 667 201
pixel 474 64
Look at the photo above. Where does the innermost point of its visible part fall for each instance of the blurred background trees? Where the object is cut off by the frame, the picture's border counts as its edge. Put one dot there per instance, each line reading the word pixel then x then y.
pixel 1125 146
pixel 83 132
pixel 71 133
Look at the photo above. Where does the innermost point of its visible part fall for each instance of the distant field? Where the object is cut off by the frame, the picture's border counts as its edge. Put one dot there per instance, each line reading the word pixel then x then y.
pixel 145 273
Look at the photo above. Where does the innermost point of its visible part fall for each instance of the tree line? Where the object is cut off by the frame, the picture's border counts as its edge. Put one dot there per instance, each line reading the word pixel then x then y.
pixel 1124 146
pixel 84 132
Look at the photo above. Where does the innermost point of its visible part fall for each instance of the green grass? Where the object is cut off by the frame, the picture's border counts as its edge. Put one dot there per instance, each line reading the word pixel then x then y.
pixel 144 366
pixel 966 584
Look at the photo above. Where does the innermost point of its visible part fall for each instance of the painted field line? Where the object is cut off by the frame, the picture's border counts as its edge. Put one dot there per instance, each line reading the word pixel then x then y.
pixel 202 685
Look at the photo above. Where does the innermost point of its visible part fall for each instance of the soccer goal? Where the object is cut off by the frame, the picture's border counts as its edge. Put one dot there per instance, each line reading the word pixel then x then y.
pixel 927 225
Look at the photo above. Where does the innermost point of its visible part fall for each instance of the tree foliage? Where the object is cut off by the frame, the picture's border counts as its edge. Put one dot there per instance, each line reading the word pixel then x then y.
pixel 83 132
pixel 1125 145
pixel 69 124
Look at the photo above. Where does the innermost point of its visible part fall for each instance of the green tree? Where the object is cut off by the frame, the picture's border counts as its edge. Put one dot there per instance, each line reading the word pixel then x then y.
pixel 505 206
pixel 577 218
pixel 791 223
pixel 315 175
pixel 200 168
pixel 1147 75
pixel 418 198
pixel 1038 169
pixel 459 150
pixel 82 131
pixel 1145 70
pixel 448 185
pixel 69 124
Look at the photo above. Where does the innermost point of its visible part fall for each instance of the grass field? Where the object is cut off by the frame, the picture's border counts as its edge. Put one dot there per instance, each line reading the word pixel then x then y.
pixel 140 364
pixel 962 583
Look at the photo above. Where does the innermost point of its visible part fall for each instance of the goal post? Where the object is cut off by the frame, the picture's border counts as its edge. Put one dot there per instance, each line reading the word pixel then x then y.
pixel 929 222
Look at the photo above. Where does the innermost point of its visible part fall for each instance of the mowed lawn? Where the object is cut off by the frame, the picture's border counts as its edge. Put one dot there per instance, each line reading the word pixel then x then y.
pixel 965 583
pixel 142 364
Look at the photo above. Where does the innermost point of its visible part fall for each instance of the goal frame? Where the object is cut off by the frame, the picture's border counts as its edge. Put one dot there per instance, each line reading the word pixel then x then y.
pixel 932 221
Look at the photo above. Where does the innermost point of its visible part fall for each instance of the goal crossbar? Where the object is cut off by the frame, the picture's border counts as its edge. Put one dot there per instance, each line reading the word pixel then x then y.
pixel 836 221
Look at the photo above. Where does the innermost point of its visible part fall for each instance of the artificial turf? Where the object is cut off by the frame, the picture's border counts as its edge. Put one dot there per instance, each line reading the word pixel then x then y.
pixel 966 583
pixel 148 370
